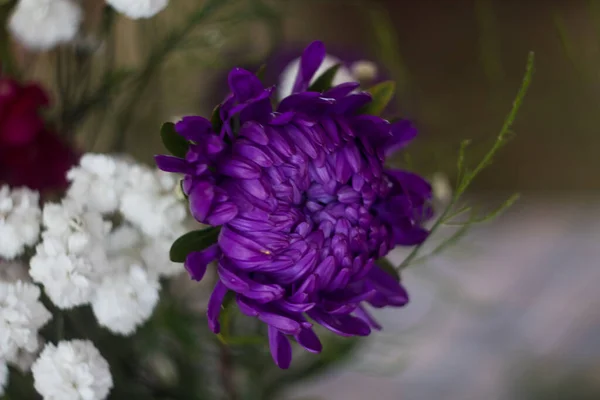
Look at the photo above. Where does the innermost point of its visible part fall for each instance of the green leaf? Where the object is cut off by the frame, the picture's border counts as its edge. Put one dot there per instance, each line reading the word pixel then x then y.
pixel 176 144
pixel 215 119
pixel 325 81
pixel 388 267
pixel 193 241
pixel 260 72
pixel 382 95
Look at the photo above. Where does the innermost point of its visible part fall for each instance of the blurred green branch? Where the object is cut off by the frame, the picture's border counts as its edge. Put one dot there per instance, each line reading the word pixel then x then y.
pixel 155 61
pixel 466 177
pixel 388 48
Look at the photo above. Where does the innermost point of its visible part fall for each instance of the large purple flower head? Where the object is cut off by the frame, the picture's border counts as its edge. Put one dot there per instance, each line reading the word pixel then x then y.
pixel 303 206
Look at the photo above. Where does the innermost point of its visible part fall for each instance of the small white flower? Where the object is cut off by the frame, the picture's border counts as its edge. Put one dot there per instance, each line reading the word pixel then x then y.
pixel 24 359
pixel 441 187
pixel 3 376
pixel 150 202
pixel 71 223
pixel 155 255
pixel 124 240
pixel 125 300
pixel 364 70
pixel 97 182
pixel 288 76
pixel 136 9
pixel 43 24
pixel 73 370
pixel 21 316
pixel 69 279
pixel 71 259
pixel 19 220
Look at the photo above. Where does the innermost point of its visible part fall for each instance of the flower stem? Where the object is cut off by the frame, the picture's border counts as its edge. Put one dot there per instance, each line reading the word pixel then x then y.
pixel 226 371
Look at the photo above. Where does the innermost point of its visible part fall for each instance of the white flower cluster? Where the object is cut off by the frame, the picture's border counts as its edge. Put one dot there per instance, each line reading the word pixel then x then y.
pixel 44 24
pixel 72 370
pixel 84 259
pixel 21 317
pixel 19 221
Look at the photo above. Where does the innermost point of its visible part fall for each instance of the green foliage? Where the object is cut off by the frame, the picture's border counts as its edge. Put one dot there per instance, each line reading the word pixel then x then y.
pixel 387 47
pixel 260 72
pixel 325 81
pixel 466 177
pixel 193 241
pixel 173 142
pixel 382 95
pixel 215 119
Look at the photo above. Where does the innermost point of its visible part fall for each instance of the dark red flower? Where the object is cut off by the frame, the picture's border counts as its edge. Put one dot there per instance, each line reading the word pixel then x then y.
pixel 31 154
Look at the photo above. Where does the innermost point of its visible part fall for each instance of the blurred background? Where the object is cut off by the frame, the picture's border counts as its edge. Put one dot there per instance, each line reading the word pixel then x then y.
pixel 511 311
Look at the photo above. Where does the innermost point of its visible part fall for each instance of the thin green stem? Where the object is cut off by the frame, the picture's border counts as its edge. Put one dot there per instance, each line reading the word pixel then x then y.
pixel 467 177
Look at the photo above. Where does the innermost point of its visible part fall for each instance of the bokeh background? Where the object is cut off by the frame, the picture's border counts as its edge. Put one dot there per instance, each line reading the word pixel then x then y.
pixel 511 312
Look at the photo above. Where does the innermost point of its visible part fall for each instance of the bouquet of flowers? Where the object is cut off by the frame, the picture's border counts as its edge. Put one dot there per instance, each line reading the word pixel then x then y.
pixel 263 235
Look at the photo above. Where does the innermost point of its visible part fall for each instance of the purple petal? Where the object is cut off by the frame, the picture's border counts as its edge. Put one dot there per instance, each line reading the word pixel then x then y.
pixel 325 271
pixel 194 128
pixel 255 132
pixel 296 307
pixel 409 235
pixel 301 141
pixel 353 157
pixel 231 279
pixel 351 104
pixel 343 170
pixel 340 280
pixel 311 60
pixel 239 167
pixel 213 144
pixel 172 164
pixel 282 118
pixel 256 188
pixel 244 84
pixel 343 325
pixel 309 340
pixel 197 261
pixel 252 152
pixel 214 306
pixel 240 283
pixel 402 133
pixel 246 307
pixel 200 199
pixel 367 317
pixel 281 349
pixel 387 284
pixel 259 110
pixel 307 288
pixel 222 213
pixel 347 195
pixel 301 268
pixel 282 323
pixel 341 90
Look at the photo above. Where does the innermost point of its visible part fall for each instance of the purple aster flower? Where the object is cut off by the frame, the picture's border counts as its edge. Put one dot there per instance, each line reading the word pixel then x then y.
pixel 304 204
